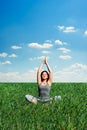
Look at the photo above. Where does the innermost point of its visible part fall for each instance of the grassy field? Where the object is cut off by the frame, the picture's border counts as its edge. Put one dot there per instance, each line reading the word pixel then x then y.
pixel 68 114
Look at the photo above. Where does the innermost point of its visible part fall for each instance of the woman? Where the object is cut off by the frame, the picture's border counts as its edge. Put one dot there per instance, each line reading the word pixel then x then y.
pixel 44 81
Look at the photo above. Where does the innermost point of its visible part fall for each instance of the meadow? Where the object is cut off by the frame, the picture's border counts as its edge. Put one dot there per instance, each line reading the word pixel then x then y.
pixel 68 114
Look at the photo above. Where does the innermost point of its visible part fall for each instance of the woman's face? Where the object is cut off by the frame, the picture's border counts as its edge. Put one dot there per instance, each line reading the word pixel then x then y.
pixel 44 75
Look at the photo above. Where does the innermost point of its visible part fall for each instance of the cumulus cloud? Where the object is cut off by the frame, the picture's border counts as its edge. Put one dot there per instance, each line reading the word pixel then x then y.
pixel 68 29
pixel 13 55
pixel 65 57
pixel 60 27
pixel 29 76
pixel 40 46
pixel 10 77
pixel 64 50
pixel 48 41
pixel 3 55
pixel 73 73
pixel 38 58
pixel 85 33
pixel 16 47
pixel 59 42
pixel 79 66
pixel 6 62
pixel 45 52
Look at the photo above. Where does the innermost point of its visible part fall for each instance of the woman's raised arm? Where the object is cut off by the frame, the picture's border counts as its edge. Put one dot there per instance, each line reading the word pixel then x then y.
pixel 39 73
pixel 49 69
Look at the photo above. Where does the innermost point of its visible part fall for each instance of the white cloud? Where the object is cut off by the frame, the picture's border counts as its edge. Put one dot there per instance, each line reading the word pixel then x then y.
pixel 74 73
pixel 3 55
pixel 38 58
pixel 16 47
pixel 48 41
pixel 65 57
pixel 68 29
pixel 10 77
pixel 64 50
pixel 40 46
pixel 79 66
pixel 6 62
pixel 13 55
pixel 61 27
pixel 85 33
pixel 45 52
pixel 29 76
pixel 60 42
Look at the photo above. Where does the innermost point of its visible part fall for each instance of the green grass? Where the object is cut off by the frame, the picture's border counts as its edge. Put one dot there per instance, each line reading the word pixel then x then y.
pixel 68 114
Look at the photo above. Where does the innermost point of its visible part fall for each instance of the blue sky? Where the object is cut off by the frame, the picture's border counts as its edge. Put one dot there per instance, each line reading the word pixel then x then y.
pixel 32 29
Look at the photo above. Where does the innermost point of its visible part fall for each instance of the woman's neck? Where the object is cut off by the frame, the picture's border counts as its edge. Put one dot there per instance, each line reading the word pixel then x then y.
pixel 44 81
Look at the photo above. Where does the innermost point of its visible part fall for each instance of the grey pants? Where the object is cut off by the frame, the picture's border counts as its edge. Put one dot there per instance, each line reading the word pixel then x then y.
pixel 34 100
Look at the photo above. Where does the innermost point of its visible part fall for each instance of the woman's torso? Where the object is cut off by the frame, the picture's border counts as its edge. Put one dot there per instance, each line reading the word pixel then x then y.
pixel 44 91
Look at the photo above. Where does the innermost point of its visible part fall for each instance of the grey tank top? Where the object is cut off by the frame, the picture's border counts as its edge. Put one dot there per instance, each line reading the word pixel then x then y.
pixel 44 91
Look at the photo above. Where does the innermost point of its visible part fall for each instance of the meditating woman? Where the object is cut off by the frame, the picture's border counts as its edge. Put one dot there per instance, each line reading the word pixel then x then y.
pixel 44 81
